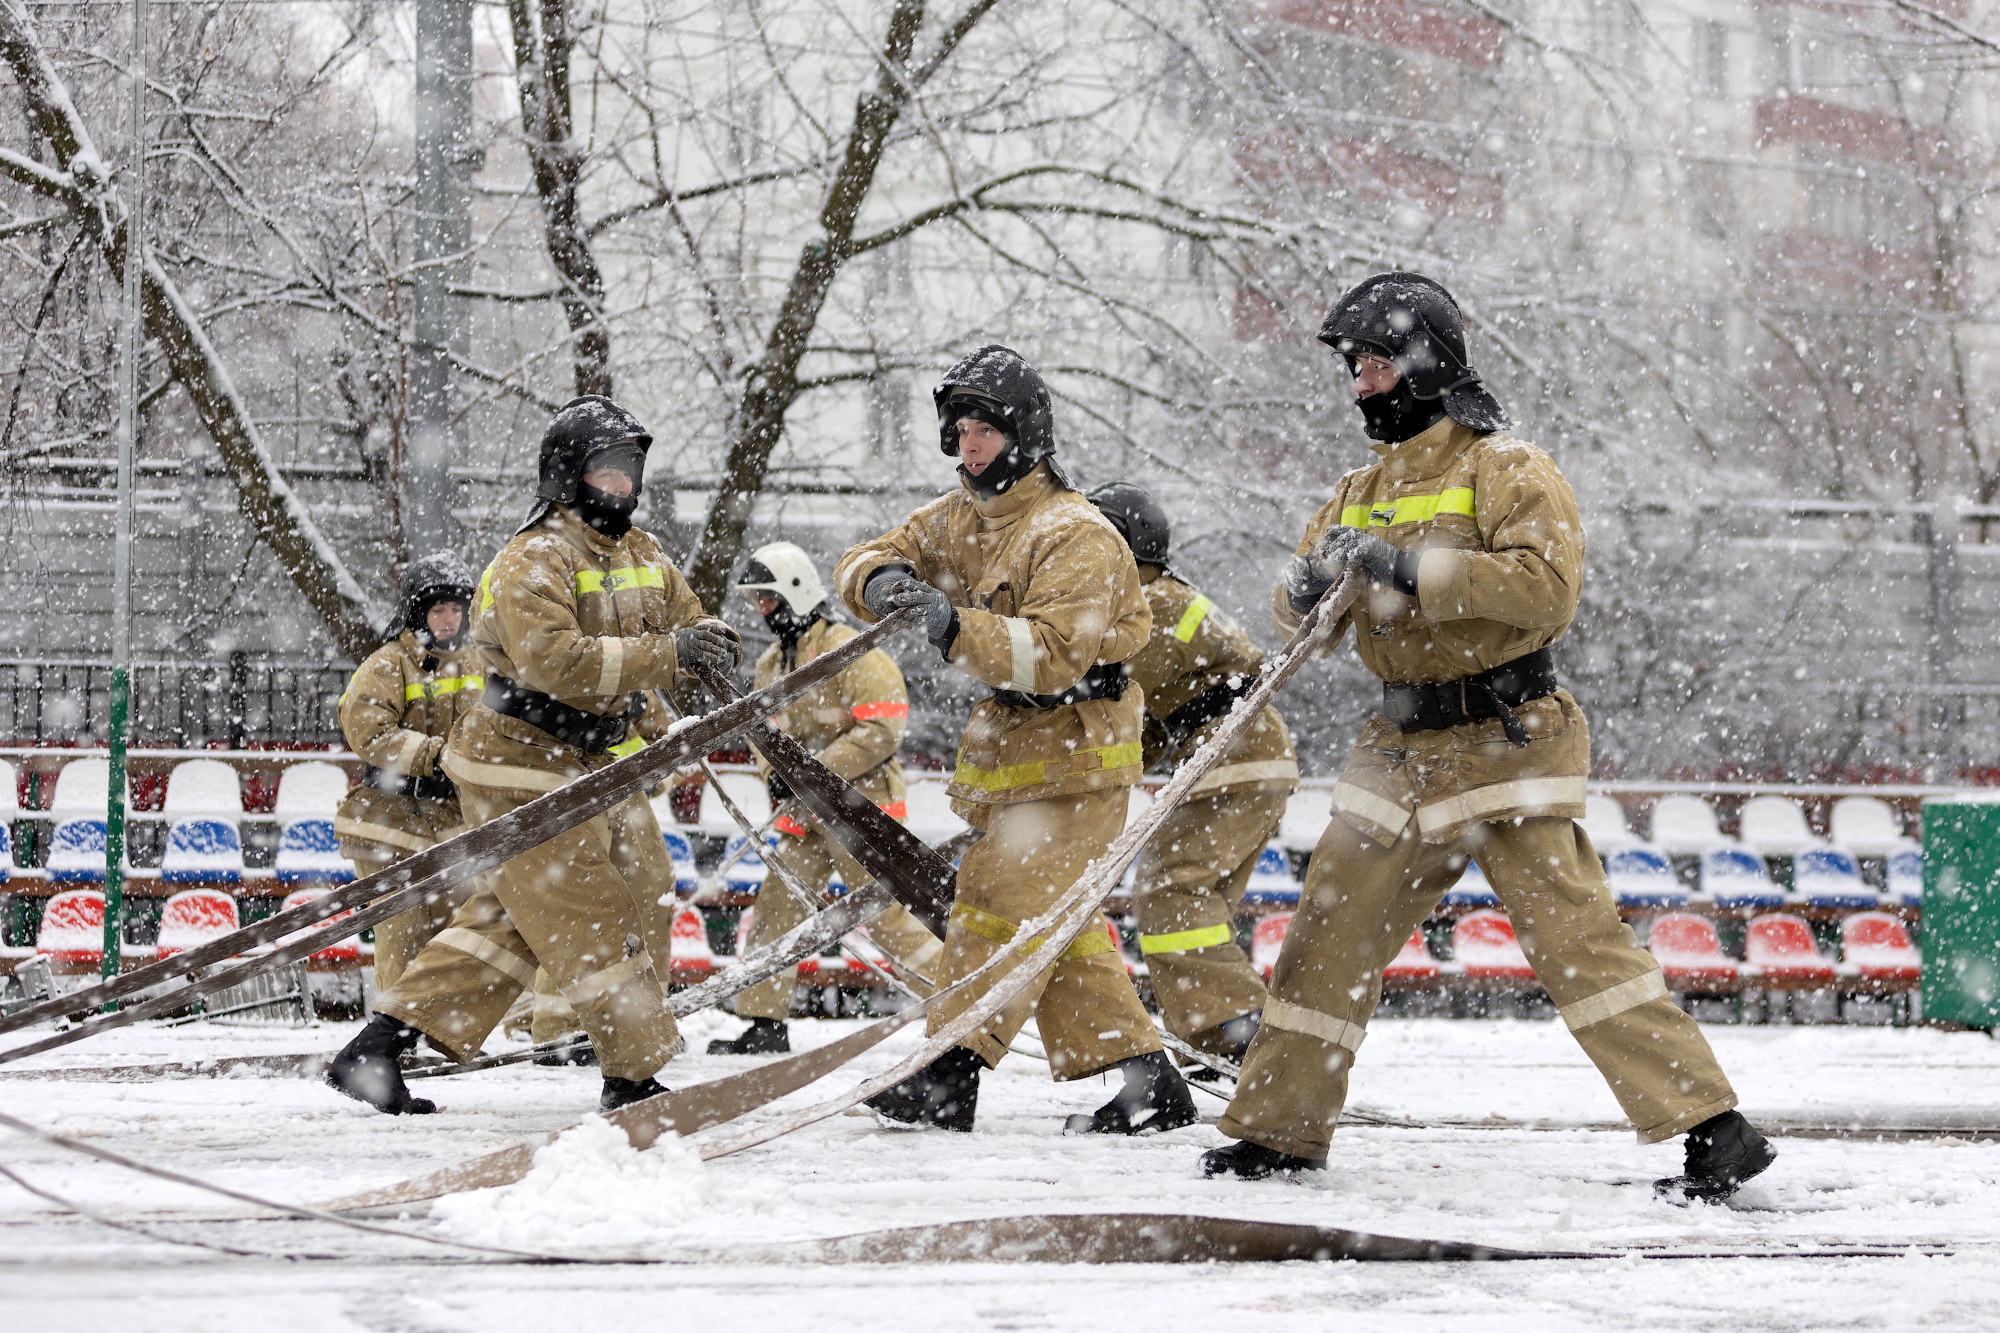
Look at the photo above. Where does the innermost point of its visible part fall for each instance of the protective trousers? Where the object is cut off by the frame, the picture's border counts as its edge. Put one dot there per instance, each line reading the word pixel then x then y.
pixel 1361 902
pixel 402 937
pixel 1191 876
pixel 912 949
pixel 1085 1007
pixel 570 906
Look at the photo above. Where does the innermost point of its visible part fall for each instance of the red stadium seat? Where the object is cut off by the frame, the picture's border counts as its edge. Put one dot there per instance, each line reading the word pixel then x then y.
pixel 347 953
pixel 1876 945
pixel 1690 952
pixel 1414 963
pixel 1266 941
pixel 1780 947
pixel 72 930
pixel 692 960
pixel 193 918
pixel 1483 944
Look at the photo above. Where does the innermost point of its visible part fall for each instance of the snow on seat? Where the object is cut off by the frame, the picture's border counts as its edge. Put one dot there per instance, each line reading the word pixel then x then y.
pixel 202 851
pixel 1780 948
pixel 1690 952
pixel 1685 825
pixel 1304 820
pixel 1472 889
pixel 1267 940
pixel 311 790
pixel 308 849
pixel 193 918
pixel 1271 878
pixel 1604 822
pixel 73 928
pixel 76 851
pixel 1829 877
pixel 1412 963
pixel 347 951
pixel 1867 827
pixel 1906 877
pixel 1642 876
pixel 1776 826
pixel 931 816
pixel 203 787
pixel 748 874
pixel 1736 878
pixel 752 797
pixel 1483 944
pixel 692 959
pixel 10 791
pixel 681 852
pixel 1876 945
pixel 82 788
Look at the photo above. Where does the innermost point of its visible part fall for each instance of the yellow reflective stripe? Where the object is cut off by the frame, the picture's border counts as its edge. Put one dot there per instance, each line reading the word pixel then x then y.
pixel 486 589
pixel 416 691
pixel 1409 509
pixel 1207 937
pixel 618 580
pixel 630 745
pixel 1000 930
pixel 1039 771
pixel 442 685
pixel 1191 618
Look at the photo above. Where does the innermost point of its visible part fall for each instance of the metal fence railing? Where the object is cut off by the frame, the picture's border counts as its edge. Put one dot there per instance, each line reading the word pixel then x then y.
pixel 239 702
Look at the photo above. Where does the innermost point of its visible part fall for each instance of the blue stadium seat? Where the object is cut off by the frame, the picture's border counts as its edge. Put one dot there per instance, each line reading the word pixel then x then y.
pixel 76 852
pixel 1735 877
pixel 747 875
pixel 681 852
pixel 1643 877
pixel 1829 877
pixel 202 851
pixel 1906 878
pixel 1271 880
pixel 308 850
pixel 1472 889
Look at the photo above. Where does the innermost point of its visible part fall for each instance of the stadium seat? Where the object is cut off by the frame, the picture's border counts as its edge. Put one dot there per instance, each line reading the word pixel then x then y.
pixel 1690 953
pixel 346 953
pixel 1304 820
pixel 1906 878
pixel 1685 826
pixel 308 849
pixel 1780 948
pixel 836 884
pixel 1472 889
pixel 1828 877
pixel 6 852
pixel 749 792
pixel 83 788
pixel 692 960
pixel 1867 827
pixel 1414 963
pixel 1137 802
pixel 1604 821
pixel 202 851
pixel 1776 826
pixel 747 875
pixel 311 790
pixel 1483 944
pixel 72 930
pixel 681 852
pixel 1735 878
pixel 194 918
pixel 76 851
pixel 199 787
pixel 931 816
pixel 1271 879
pixel 1642 876
pixel 10 791
pixel 1875 945
pixel 1267 940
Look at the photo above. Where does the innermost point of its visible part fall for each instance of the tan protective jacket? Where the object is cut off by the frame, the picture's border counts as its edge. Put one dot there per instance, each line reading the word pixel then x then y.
pixel 587 620
pixel 1045 590
pixel 1500 575
pixel 854 722
pixel 396 716
pixel 1193 649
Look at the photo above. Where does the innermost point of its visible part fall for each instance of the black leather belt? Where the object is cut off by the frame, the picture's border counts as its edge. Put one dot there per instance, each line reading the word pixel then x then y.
pixel 435 788
pixel 1495 693
pixel 589 732
pixel 1103 681
pixel 1207 706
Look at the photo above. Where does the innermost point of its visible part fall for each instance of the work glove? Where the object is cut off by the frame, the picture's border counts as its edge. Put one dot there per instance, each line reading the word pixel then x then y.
pixel 706 645
pixel 899 591
pixel 781 791
pixel 1308 576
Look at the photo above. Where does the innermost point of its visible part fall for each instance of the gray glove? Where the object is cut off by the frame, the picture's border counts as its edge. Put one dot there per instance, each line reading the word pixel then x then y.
pixel 1308 576
pixel 889 591
pixel 875 591
pixel 706 645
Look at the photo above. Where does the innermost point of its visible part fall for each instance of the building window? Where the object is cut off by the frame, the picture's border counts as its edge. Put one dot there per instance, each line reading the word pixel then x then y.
pixel 1708 58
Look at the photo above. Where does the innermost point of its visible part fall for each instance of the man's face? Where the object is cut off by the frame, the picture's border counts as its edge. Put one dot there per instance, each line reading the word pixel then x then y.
pixel 610 480
pixel 979 443
pixel 445 620
pixel 1373 375
pixel 767 602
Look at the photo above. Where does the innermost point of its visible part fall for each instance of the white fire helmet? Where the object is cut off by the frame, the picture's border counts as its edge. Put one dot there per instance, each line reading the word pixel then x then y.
pixel 785 570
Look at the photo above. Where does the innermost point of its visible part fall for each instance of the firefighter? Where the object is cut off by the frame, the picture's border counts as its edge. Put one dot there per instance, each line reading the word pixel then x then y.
pixel 1194 870
pixel 397 711
pixel 854 723
pixel 577 619
pixel 1023 586
pixel 1472 548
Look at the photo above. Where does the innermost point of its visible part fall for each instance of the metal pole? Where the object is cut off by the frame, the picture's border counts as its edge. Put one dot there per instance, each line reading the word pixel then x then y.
pixel 1948 712
pixel 132 317
pixel 445 157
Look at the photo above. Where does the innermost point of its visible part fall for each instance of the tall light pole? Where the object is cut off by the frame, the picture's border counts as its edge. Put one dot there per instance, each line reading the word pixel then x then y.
pixel 445 158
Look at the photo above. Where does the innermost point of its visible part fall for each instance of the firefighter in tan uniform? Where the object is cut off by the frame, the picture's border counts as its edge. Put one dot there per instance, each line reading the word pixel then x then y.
pixel 1194 870
pixel 396 713
pixel 1023 586
pixel 854 723
pixel 577 619
pixel 1472 546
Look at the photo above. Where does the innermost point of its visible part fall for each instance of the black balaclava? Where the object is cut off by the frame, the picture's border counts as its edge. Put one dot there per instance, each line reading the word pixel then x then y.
pixel 1009 467
pixel 611 514
pixel 1398 414
pixel 420 616
pixel 790 625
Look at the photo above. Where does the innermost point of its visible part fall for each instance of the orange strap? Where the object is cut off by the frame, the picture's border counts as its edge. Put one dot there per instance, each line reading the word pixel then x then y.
pixel 786 824
pixel 869 712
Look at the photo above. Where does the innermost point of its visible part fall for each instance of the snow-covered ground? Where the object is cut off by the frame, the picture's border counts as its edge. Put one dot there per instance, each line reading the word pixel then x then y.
pixel 1475 1175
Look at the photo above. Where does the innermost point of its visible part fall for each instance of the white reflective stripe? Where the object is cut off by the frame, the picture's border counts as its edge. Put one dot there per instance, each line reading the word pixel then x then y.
pixel 585 989
pixel 1255 770
pixel 404 748
pixel 1380 811
pixel 1313 1023
pixel 382 833
pixel 1526 796
pixel 1021 641
pixel 486 951
pixel 613 665
pixel 1610 1002
pixel 474 773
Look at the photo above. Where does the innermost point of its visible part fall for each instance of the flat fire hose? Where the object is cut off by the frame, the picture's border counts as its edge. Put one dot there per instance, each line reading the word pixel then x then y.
pixel 434 870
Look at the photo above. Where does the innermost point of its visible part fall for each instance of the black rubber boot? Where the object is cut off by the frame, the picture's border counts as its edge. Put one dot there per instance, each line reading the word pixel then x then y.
pixel 367 1070
pixel 1231 1038
pixel 579 1052
pixel 1722 1152
pixel 624 1091
pixel 1155 1099
pixel 764 1036
pixel 944 1095
pixel 1253 1161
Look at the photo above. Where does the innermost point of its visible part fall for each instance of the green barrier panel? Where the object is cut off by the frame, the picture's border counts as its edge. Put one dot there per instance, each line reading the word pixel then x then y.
pixel 1961 937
